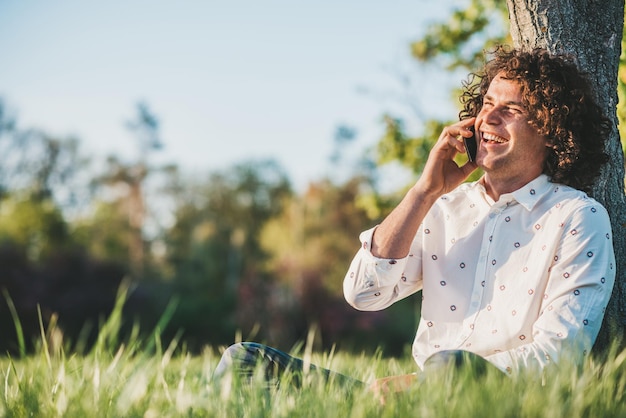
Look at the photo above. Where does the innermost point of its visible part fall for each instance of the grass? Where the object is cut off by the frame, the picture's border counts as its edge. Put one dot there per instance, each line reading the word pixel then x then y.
pixel 128 383
pixel 138 378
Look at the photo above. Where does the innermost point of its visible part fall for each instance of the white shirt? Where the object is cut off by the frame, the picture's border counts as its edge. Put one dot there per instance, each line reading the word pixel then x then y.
pixel 518 281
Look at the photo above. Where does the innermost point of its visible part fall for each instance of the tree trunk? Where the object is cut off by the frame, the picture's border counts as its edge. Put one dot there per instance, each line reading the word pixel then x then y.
pixel 591 30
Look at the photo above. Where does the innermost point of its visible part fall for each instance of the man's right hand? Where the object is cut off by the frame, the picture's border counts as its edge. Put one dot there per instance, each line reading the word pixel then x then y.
pixel 441 173
pixel 385 386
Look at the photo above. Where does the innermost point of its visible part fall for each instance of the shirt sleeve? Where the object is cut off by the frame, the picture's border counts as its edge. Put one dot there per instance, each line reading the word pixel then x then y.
pixel 578 290
pixel 373 283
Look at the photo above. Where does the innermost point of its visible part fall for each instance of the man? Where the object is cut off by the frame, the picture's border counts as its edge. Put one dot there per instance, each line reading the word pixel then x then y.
pixel 515 268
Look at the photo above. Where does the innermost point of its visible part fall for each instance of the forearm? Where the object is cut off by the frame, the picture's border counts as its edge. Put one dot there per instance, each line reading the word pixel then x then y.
pixel 393 237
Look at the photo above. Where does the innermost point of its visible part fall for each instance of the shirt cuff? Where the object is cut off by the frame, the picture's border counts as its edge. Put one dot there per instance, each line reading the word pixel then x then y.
pixel 386 268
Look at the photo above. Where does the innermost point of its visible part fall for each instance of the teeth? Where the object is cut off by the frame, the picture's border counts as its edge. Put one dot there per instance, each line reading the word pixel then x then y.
pixel 493 138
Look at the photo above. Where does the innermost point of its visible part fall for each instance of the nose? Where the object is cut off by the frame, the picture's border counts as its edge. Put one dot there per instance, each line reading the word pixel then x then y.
pixel 490 115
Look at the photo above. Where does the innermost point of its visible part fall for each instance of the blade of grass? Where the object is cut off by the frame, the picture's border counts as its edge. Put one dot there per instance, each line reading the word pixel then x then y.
pixel 44 340
pixel 16 322
pixel 108 334
pixel 165 318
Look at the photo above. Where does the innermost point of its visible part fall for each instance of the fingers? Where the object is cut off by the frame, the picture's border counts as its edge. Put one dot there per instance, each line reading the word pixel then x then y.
pixel 442 173
pixel 452 136
pixel 380 390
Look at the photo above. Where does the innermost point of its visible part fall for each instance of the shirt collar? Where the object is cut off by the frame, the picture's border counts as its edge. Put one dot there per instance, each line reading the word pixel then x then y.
pixel 527 195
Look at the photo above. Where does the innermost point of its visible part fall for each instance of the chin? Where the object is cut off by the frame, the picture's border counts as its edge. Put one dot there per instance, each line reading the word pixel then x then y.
pixel 487 162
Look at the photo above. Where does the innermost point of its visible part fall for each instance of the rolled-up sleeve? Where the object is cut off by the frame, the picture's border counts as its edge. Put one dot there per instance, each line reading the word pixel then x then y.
pixel 373 283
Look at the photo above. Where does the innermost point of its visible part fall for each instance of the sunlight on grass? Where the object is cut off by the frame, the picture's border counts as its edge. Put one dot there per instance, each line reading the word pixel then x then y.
pixel 143 379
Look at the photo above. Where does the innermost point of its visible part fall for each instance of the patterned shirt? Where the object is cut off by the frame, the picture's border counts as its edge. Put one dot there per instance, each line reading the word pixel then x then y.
pixel 518 281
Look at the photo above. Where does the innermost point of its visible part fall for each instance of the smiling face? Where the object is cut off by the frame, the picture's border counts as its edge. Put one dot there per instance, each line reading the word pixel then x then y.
pixel 510 150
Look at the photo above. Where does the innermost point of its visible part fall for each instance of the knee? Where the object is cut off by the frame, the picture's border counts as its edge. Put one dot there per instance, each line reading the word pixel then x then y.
pixel 244 351
pixel 229 356
pixel 236 352
pixel 232 350
pixel 238 355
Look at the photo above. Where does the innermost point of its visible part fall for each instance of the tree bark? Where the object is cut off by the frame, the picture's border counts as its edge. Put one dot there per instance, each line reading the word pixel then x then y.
pixel 590 30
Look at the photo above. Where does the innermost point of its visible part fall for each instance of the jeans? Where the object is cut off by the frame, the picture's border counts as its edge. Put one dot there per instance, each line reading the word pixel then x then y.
pixel 244 358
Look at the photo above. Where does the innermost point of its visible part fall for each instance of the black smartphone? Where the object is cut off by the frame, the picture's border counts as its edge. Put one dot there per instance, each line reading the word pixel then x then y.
pixel 470 145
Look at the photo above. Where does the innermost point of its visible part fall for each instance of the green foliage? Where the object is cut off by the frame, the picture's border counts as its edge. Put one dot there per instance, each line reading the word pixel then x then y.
pixel 310 245
pixel 37 227
pixel 220 220
pixel 411 152
pixel 38 164
pixel 213 252
pixel 461 38
pixel 314 236
pixel 110 225
pixel 52 166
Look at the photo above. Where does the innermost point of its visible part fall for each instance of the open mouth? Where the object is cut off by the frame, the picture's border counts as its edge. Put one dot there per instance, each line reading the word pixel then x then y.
pixel 493 139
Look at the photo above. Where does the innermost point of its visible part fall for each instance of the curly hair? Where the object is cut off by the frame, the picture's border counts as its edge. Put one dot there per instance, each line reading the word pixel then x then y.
pixel 560 105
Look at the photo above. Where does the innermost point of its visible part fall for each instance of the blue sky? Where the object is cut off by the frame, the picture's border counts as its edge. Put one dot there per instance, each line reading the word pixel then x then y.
pixel 229 81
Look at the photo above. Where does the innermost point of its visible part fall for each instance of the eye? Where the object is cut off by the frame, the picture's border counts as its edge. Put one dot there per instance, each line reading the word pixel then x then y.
pixel 514 109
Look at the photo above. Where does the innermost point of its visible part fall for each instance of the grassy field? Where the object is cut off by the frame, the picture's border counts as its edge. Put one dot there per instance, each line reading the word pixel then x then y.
pixel 130 383
pixel 142 379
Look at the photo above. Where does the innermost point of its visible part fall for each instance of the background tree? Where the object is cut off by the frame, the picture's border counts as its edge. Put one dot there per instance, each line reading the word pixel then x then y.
pixel 127 181
pixel 38 164
pixel 596 43
pixel 213 259
pixel 309 247
pixel 43 265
